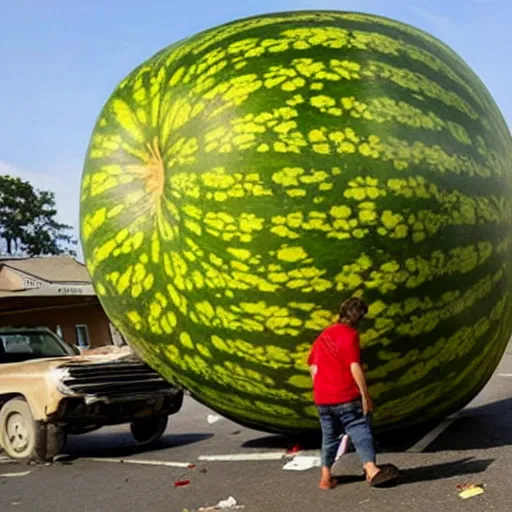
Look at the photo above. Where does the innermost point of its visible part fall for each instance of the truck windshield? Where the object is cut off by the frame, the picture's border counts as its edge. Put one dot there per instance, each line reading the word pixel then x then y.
pixel 22 346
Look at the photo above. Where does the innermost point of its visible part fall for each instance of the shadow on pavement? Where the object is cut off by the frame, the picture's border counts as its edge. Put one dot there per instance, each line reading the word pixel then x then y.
pixel 122 445
pixel 487 426
pixel 460 467
pixel 391 443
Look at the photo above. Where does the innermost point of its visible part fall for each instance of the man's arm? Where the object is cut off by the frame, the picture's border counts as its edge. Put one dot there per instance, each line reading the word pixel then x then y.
pixel 311 363
pixel 358 374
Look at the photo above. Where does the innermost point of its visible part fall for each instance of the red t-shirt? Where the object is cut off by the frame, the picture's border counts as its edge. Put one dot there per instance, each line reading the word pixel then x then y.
pixel 331 355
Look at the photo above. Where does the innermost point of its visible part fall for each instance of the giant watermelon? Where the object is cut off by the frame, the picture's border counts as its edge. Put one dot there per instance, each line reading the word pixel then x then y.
pixel 241 183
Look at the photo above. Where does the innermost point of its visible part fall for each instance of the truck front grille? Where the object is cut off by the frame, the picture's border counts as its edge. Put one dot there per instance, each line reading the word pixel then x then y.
pixel 113 379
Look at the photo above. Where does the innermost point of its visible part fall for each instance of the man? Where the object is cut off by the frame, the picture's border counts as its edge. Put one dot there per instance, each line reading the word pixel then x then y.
pixel 341 395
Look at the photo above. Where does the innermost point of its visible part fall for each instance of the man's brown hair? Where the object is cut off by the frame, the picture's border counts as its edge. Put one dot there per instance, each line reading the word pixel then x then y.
pixel 352 311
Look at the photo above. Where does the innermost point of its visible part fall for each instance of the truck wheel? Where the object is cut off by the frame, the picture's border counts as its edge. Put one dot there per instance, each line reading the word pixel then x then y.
pixel 148 430
pixel 23 439
pixel 17 430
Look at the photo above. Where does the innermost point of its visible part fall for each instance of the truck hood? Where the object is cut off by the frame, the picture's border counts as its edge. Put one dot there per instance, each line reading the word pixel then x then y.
pixel 45 365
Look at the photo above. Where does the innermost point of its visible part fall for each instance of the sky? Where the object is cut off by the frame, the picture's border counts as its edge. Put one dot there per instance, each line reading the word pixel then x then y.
pixel 61 59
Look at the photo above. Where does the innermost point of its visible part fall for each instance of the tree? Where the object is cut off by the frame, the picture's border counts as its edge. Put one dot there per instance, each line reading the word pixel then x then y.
pixel 16 196
pixel 27 221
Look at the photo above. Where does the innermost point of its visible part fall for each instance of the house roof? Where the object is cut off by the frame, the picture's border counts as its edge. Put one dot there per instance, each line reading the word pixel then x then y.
pixel 17 303
pixel 53 269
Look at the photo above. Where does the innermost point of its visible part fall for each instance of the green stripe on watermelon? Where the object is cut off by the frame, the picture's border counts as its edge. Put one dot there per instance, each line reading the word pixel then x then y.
pixel 240 183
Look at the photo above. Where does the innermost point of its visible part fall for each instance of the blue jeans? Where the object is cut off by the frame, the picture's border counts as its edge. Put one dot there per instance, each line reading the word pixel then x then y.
pixel 345 418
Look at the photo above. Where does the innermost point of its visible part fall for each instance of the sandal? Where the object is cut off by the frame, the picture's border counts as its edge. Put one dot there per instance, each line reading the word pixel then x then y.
pixel 387 475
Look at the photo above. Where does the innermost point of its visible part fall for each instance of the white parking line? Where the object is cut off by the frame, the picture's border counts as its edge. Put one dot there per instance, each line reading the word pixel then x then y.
pixel 13 475
pixel 243 456
pixel 504 374
pixel 432 435
pixel 165 463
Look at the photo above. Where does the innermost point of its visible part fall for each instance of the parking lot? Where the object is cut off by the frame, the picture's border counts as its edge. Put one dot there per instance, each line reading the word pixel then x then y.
pixel 104 471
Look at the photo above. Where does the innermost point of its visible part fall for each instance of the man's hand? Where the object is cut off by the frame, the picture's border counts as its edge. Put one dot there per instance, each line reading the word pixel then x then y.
pixel 358 374
pixel 367 404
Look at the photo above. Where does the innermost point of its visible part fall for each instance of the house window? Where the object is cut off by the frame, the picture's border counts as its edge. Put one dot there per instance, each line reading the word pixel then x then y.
pixel 82 335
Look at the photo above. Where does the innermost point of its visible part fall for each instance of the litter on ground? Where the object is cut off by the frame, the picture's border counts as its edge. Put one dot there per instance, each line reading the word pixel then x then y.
pixel 212 418
pixel 470 490
pixel 295 449
pixel 228 504
pixel 343 447
pixel 302 463
pixel 181 483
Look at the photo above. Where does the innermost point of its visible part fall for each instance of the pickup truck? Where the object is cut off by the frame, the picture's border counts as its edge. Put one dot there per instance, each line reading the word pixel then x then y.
pixel 49 390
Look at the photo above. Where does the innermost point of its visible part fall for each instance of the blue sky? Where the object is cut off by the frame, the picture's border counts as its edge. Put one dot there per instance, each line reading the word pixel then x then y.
pixel 61 59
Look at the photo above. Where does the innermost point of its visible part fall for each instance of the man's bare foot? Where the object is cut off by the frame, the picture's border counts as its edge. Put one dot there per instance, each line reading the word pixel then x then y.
pixel 326 480
pixel 327 484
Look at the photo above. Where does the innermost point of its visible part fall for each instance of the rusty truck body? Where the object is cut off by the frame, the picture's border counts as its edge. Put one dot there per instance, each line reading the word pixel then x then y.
pixel 48 390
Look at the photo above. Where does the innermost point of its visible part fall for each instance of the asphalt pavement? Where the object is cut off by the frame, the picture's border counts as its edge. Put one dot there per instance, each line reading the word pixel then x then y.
pixel 474 448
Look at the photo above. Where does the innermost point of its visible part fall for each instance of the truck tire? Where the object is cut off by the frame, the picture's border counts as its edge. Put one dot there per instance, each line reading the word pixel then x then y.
pixel 17 429
pixel 24 439
pixel 148 430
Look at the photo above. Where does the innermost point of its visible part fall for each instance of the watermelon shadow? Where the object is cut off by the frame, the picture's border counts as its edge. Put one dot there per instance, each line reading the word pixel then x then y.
pixel 392 442
pixel 486 426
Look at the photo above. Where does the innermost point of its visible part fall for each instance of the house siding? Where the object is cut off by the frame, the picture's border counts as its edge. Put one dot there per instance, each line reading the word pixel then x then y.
pixel 91 315
pixel 59 295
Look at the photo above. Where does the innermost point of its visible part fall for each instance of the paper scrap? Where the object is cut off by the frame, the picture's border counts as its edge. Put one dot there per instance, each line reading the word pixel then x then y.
pixel 343 447
pixel 214 508
pixel 302 463
pixel 470 491
pixel 229 503
pixel 212 418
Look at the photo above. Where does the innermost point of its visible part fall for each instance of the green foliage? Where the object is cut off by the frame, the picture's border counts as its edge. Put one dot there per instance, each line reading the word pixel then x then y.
pixel 27 221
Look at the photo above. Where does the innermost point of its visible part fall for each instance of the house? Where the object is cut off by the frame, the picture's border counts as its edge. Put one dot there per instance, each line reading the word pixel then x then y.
pixel 55 292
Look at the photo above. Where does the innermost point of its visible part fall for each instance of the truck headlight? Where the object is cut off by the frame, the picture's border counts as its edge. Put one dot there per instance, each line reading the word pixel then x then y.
pixel 58 376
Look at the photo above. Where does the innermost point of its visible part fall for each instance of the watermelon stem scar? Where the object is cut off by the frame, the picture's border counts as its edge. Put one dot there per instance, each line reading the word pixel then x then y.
pixel 153 172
